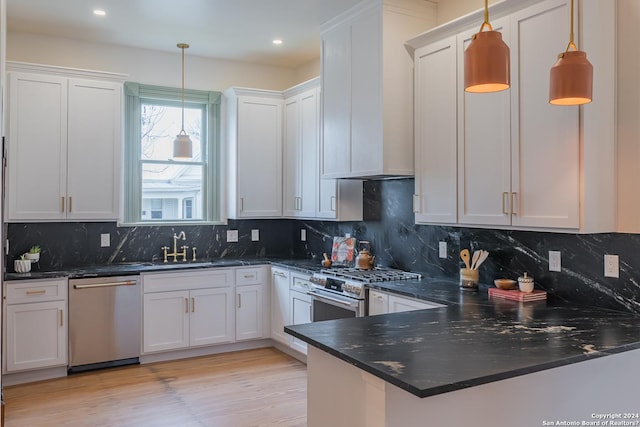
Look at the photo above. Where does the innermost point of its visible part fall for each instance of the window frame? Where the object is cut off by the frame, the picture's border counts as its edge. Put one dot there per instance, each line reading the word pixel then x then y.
pixel 135 95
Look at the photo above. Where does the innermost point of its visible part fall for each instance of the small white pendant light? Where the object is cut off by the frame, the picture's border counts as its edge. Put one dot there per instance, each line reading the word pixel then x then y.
pixel 486 60
pixel 571 77
pixel 182 145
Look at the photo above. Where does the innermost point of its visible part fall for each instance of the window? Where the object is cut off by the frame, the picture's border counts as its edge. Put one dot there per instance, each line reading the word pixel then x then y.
pixel 158 188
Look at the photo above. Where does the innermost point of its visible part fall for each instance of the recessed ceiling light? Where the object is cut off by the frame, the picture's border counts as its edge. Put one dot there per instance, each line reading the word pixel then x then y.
pixel 277 41
pixel 99 12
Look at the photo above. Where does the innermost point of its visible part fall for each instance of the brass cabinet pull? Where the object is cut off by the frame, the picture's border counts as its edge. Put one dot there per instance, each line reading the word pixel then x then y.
pixel 193 304
pixel 61 317
pixel 38 292
pixel 505 195
pixel 186 305
pixel 70 204
pixel 62 204
pixel 513 196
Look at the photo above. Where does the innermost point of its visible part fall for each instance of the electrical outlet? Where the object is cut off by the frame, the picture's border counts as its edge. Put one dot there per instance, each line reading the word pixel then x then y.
pixel 611 266
pixel 232 236
pixel 303 235
pixel 347 235
pixel 105 240
pixel 555 263
pixel 255 235
pixel 442 249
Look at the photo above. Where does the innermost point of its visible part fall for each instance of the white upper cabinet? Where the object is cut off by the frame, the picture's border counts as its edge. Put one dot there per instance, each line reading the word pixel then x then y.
pixel 301 137
pixel 484 146
pixel 306 194
pixel 64 144
pixel 435 148
pixel 544 138
pixel 367 89
pixel 254 137
pixel 507 159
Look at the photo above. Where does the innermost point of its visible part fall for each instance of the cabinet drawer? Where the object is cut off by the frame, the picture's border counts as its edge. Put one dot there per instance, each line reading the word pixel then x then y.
pixel 250 276
pixel 300 283
pixel 19 292
pixel 181 281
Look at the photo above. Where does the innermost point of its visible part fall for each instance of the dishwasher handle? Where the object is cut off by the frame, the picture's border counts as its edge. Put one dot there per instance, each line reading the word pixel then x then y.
pixel 106 285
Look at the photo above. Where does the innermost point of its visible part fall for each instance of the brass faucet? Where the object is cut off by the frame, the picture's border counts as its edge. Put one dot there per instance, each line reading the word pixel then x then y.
pixel 175 254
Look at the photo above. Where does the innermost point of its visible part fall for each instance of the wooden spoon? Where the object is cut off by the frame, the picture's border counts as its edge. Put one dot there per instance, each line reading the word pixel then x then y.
pixel 474 260
pixel 464 254
pixel 483 258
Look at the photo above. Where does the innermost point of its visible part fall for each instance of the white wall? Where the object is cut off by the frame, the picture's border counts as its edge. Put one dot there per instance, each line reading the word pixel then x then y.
pixel 448 10
pixel 149 66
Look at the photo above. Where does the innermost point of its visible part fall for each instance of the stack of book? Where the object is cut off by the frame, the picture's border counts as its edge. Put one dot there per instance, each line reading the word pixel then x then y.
pixel 516 295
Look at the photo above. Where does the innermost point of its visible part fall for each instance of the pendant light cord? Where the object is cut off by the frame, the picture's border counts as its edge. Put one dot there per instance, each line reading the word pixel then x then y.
pixel 571 43
pixel 182 46
pixel 182 128
pixel 486 17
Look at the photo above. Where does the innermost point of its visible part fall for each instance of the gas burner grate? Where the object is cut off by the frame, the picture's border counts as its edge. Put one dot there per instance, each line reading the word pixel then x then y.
pixel 378 274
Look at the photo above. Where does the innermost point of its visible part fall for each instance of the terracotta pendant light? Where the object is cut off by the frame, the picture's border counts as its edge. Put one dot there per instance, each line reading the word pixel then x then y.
pixel 571 80
pixel 486 60
pixel 182 145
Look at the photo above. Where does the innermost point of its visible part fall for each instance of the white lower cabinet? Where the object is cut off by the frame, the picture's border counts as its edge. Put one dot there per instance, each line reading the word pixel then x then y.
pixel 279 304
pixel 187 309
pixel 300 304
pixel 35 334
pixel 384 302
pixel 251 303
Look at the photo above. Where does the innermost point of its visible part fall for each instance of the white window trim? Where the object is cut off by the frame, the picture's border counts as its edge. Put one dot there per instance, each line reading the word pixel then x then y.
pixel 212 187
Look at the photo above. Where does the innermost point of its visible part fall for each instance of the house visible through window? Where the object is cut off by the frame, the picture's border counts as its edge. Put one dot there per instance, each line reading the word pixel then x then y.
pixel 159 188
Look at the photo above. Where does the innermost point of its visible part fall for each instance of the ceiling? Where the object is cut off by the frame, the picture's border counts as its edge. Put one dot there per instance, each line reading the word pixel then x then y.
pixel 231 29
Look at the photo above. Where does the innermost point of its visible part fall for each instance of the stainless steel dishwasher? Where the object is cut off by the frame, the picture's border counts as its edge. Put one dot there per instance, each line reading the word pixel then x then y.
pixel 104 322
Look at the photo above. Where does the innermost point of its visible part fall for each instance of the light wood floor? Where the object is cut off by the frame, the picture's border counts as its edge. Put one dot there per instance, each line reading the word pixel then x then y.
pixel 261 387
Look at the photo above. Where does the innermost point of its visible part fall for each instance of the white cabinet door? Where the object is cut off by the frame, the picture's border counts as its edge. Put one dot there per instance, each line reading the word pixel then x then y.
pixel 211 316
pixel 37 147
pixel 484 147
pixel 68 165
pixel 301 139
pixel 279 304
pixel 399 304
pixel 259 157
pixel 545 138
pixel 94 136
pixel 36 335
pixel 249 303
pixel 300 314
pixel 336 101
pixel 165 321
pixel 378 303
pixel 435 129
pixel 366 93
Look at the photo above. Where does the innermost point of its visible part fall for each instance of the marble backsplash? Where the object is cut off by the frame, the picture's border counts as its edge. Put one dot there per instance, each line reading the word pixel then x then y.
pixel 396 242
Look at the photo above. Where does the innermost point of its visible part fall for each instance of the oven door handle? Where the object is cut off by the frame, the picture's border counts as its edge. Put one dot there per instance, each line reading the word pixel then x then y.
pixel 331 300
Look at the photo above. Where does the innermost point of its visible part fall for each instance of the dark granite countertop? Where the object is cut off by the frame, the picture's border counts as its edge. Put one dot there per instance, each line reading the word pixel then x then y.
pixel 127 268
pixel 130 268
pixel 474 340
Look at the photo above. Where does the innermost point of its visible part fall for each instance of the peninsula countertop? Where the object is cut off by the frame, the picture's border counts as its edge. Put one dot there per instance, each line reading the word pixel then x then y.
pixel 473 340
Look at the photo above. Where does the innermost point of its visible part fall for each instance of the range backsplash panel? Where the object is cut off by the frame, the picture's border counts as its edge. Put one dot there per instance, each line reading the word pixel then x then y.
pixel 395 241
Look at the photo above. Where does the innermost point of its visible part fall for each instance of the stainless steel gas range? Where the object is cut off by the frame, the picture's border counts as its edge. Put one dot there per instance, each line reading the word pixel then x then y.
pixel 341 292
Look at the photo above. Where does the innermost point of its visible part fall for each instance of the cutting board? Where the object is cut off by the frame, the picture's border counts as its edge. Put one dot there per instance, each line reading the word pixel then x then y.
pixel 343 251
pixel 516 295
